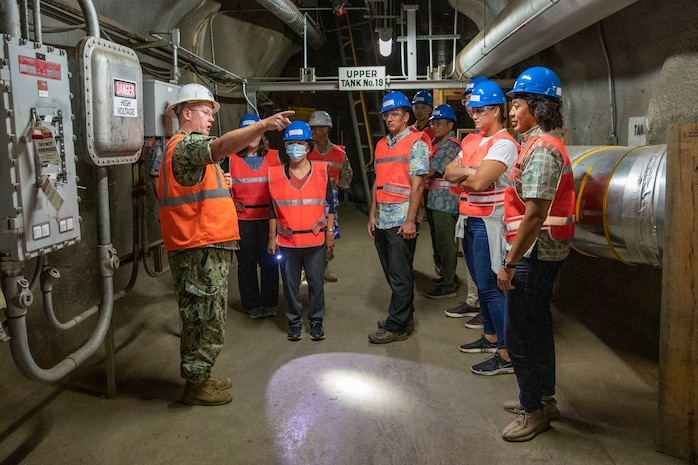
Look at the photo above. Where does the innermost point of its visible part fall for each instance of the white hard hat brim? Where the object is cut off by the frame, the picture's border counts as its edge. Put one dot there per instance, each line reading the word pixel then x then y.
pixel 169 111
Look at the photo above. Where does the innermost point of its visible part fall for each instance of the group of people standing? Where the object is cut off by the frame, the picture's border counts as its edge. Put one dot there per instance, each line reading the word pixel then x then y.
pixel 515 215
pixel 512 203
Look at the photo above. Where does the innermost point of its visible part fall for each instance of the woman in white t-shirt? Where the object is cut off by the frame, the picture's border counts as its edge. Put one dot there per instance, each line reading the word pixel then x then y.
pixel 481 171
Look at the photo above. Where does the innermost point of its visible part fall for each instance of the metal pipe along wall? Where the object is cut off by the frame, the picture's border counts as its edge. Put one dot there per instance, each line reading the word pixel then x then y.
pixel 620 202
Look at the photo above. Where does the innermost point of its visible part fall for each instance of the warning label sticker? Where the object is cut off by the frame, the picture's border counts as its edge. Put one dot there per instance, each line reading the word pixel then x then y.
pixel 125 102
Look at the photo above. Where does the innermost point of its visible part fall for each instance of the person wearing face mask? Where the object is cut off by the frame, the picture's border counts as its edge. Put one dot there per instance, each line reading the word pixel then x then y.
pixel 298 229
pixel 200 231
pixel 250 188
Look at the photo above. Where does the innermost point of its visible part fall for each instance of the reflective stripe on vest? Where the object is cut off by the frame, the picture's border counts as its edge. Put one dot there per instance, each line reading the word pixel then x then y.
pixel 480 204
pixel 300 213
pixel 194 216
pixel 560 220
pixel 393 167
pixel 251 187
pixel 334 159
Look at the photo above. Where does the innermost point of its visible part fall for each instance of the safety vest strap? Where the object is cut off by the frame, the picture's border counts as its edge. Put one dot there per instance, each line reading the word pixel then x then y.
pixel 486 198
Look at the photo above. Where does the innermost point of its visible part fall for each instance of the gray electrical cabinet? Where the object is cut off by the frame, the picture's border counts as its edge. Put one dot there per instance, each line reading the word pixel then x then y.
pixel 109 102
pixel 38 185
pixel 156 96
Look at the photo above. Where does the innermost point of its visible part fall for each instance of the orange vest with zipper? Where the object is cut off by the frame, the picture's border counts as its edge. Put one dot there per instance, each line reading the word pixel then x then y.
pixel 560 220
pixel 251 187
pixel 300 213
pixel 480 204
pixel 194 216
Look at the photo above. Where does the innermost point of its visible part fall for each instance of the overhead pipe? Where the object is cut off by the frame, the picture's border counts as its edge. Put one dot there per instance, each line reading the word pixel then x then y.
pixel 12 19
pixel 287 12
pixel 526 27
pixel 620 202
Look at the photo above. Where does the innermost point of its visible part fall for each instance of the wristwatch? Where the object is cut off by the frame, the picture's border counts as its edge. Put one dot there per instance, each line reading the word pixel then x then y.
pixel 506 264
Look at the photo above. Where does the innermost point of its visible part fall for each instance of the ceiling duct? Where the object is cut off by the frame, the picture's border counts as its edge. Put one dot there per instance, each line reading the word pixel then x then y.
pixel 526 27
pixel 286 11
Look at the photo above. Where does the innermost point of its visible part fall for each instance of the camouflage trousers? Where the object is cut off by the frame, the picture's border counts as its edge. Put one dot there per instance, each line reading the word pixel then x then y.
pixel 201 287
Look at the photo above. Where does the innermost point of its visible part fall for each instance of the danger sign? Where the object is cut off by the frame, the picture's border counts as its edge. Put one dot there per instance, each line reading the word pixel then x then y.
pixel 125 102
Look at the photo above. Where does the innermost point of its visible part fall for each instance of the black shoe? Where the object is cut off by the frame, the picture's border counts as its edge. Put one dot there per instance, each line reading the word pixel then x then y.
pixel 441 292
pixel 294 333
pixel 316 332
pixel 409 326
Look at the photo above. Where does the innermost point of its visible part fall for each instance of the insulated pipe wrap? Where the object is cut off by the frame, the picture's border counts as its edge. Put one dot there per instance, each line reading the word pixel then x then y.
pixel 620 202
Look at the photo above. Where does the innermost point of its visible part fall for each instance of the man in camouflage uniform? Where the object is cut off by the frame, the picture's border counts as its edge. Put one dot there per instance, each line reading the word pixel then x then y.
pixel 200 231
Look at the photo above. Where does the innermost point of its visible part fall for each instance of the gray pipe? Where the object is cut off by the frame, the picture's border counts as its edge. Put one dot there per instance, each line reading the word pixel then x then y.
pixel 286 11
pixel 524 28
pixel 11 18
pixel 620 202
pixel 38 35
pixel 91 18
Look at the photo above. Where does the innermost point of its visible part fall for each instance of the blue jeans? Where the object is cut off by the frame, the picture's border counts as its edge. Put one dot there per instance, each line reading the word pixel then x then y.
pixel 312 259
pixel 529 329
pixel 476 251
pixel 254 292
pixel 396 255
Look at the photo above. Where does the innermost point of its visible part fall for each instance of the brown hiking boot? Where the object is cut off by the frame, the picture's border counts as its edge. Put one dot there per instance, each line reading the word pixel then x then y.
pixel 205 393
pixel 221 383
pixel 330 276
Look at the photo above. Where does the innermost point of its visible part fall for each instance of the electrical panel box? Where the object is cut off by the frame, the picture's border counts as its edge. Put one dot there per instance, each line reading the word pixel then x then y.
pixel 38 184
pixel 109 107
pixel 156 96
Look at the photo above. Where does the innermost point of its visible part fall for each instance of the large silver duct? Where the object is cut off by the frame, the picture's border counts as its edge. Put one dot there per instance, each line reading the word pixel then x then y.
pixel 524 28
pixel 288 13
pixel 620 202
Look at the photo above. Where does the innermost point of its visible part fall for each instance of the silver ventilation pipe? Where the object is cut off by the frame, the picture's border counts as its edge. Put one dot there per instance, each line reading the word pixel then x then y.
pixel 620 202
pixel 287 12
pixel 526 27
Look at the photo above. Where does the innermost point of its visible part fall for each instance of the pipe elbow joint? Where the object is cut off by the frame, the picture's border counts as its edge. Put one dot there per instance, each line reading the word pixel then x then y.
pixel 48 278
pixel 109 260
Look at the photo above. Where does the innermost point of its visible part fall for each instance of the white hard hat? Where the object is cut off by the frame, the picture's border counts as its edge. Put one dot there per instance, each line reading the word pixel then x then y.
pixel 320 118
pixel 191 93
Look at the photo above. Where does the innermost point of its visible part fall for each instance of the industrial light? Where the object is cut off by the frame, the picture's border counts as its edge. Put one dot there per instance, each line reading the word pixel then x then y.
pixel 385 41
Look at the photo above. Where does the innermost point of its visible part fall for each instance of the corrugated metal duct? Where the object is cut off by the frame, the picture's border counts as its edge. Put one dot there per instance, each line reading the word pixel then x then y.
pixel 288 13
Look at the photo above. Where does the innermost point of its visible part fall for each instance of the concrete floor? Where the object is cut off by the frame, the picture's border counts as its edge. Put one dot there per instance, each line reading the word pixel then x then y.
pixel 338 401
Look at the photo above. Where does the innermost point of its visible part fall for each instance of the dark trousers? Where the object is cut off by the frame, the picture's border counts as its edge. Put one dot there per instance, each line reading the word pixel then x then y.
pixel 256 292
pixel 528 330
pixel 312 259
pixel 396 255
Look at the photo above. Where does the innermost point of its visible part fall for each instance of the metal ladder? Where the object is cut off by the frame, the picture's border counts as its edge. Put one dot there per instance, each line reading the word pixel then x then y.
pixel 356 49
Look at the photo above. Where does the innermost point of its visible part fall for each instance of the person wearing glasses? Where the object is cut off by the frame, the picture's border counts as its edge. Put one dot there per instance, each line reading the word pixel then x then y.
pixel 249 168
pixel 539 209
pixel 200 231
pixel 482 171
pixel 441 201
pixel 402 164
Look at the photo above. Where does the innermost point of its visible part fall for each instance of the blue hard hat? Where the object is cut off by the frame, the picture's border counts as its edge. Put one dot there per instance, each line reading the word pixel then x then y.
pixel 471 84
pixel 537 80
pixel 298 130
pixel 443 112
pixel 423 97
pixel 394 99
pixel 248 119
pixel 486 93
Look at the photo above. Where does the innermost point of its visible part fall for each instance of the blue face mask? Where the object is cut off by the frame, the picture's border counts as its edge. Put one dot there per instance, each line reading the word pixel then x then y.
pixel 296 152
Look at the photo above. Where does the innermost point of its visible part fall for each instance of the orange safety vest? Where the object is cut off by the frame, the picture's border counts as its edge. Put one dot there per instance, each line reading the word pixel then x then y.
pixel 300 213
pixel 194 216
pixel 393 168
pixel 251 187
pixel 429 131
pixel 480 204
pixel 560 219
pixel 334 159
pixel 439 182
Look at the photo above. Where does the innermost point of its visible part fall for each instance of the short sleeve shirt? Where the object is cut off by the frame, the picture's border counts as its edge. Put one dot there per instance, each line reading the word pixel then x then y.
pixel 392 215
pixel 444 200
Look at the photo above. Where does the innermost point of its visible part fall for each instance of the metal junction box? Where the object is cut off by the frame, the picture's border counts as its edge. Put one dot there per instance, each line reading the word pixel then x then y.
pixel 109 109
pixel 156 96
pixel 38 185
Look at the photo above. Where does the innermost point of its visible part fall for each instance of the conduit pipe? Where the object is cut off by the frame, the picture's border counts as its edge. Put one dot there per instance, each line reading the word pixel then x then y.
pixel 524 28
pixel 287 12
pixel 20 297
pixel 620 202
